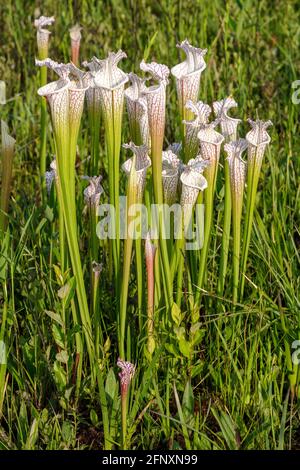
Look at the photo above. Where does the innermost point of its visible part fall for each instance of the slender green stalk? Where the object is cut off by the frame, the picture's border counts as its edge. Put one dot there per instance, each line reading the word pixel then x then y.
pixel 180 268
pixel 150 251
pixel 177 262
pixel 252 183
pixel 96 272
pixel 110 82
pixel 226 231
pixel 104 409
pixel 258 139
pixel 236 225
pixel 131 199
pixel 71 232
pixel 94 122
pixel 158 197
pixel 237 169
pixel 66 109
pixel 43 132
pixel 66 132
pixel 62 233
pixel 229 127
pixel 7 153
pixel 139 280
pixel 113 141
pixel 79 352
pixel 210 174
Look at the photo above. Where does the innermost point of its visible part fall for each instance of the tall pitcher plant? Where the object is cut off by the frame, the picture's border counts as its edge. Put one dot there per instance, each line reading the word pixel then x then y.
pixel 110 81
pixel 156 105
pixel 65 98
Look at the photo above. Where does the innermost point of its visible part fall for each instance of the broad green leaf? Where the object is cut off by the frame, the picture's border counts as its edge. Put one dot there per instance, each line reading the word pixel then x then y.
pixel 111 384
pixel 185 347
pixel 58 335
pixel 59 376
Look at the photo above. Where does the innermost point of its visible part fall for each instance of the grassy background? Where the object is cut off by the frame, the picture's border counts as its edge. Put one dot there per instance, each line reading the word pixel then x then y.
pixel 239 395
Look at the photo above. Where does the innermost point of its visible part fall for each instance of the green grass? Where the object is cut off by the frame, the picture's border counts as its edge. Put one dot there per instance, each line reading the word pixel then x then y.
pixel 233 390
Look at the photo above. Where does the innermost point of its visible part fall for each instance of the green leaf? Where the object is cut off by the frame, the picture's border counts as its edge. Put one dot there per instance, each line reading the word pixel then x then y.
pixel 58 274
pixel 44 416
pixel 198 337
pixel 197 369
pixel 172 349
pixel 63 291
pixel 55 316
pixel 107 345
pixel 188 401
pixel 49 213
pixel 180 332
pixel 67 292
pixel 40 226
pixel 67 431
pixel 94 417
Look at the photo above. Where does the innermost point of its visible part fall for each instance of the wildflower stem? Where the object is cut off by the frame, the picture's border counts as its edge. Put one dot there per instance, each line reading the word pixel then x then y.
pixel 94 118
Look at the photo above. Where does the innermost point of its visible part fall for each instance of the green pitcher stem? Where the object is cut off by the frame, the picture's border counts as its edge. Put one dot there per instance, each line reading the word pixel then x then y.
pixel 236 225
pixel 158 197
pixel 252 183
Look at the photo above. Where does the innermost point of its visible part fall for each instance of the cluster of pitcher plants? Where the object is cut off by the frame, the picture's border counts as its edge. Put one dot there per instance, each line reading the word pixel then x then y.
pixel 157 275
